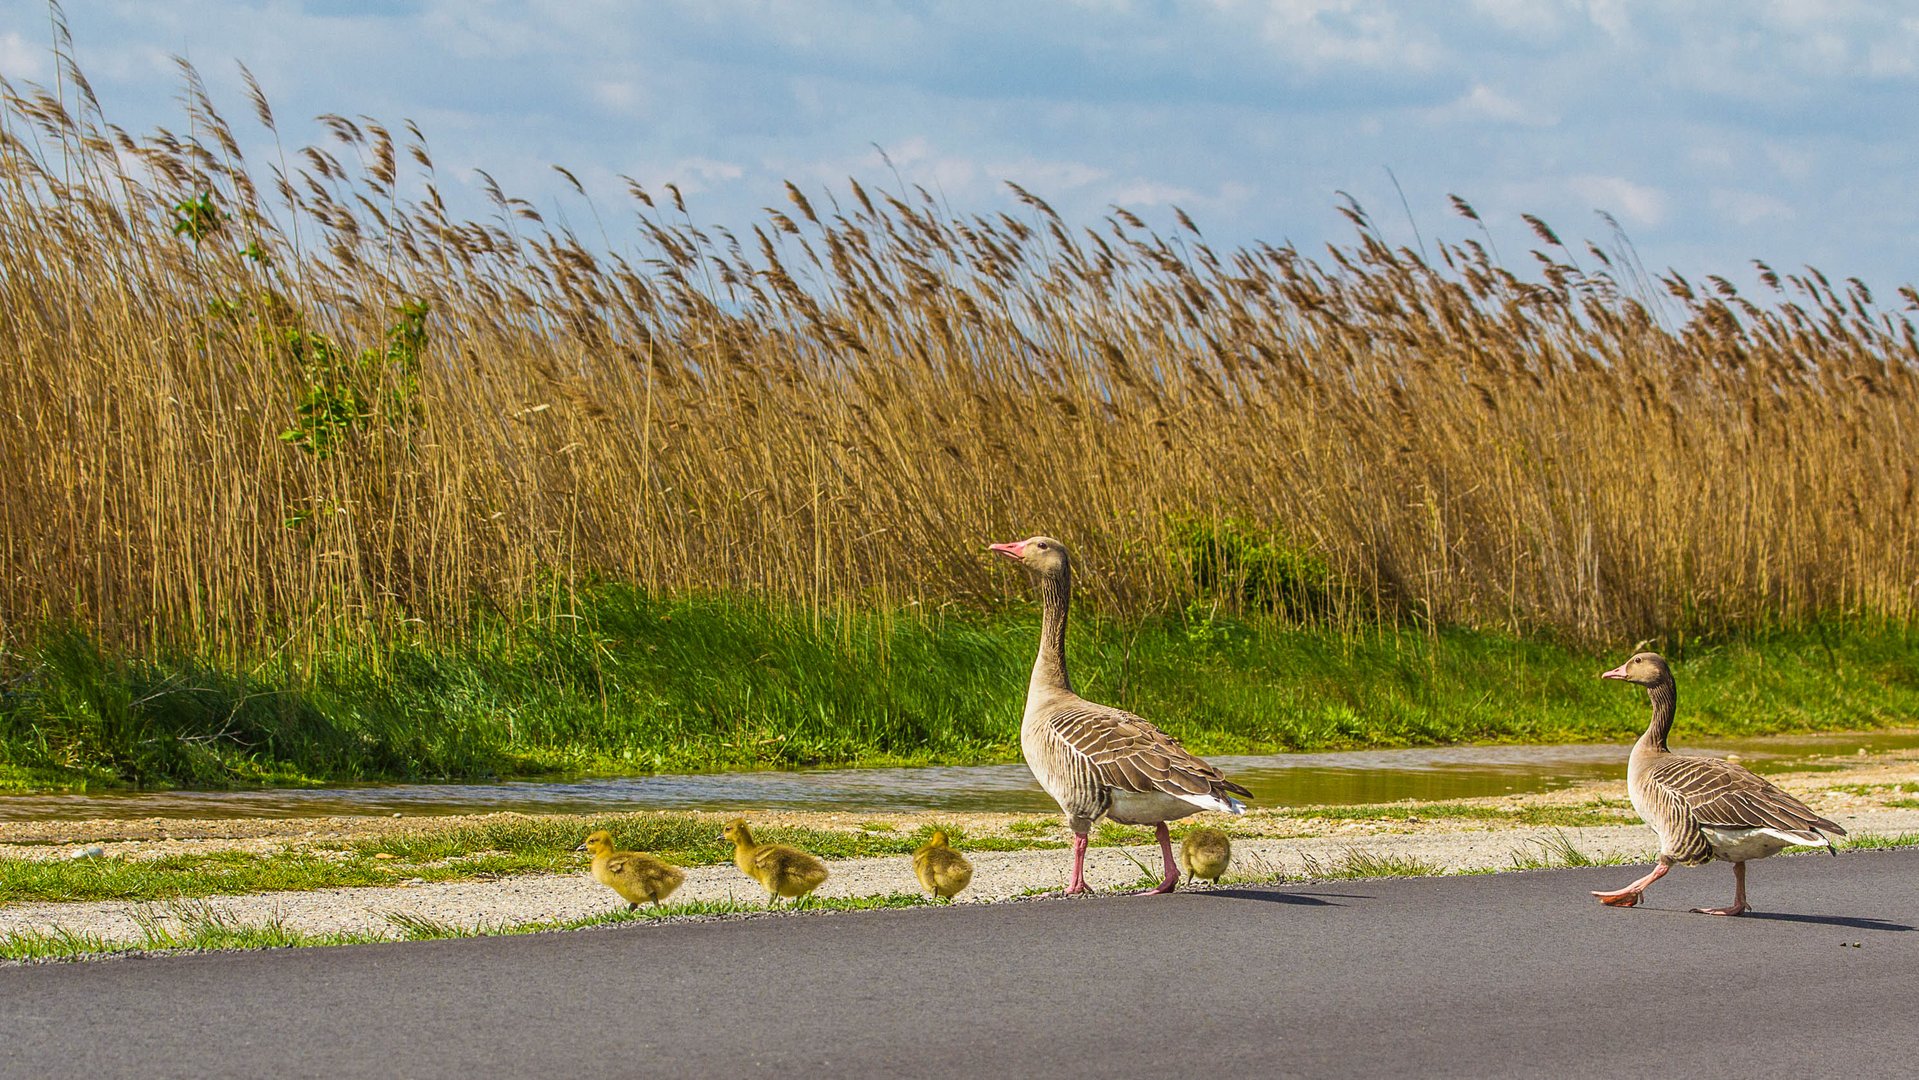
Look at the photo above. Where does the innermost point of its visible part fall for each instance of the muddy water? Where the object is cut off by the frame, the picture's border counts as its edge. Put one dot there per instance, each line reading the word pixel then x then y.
pixel 1359 776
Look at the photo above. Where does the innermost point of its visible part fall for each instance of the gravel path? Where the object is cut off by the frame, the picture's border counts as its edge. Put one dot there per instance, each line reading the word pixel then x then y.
pixel 997 876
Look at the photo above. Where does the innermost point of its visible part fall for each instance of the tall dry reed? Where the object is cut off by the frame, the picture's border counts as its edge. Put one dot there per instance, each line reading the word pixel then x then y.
pixel 222 428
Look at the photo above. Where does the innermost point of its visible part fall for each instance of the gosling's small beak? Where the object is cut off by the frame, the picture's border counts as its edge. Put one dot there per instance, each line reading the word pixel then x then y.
pixel 1616 673
pixel 1014 550
pixel 579 847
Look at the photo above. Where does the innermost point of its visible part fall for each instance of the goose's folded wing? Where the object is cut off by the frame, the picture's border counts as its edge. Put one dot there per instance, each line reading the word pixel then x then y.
pixel 1721 794
pixel 1131 754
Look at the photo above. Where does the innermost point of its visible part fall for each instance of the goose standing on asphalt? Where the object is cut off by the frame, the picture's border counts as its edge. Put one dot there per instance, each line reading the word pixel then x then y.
pixel 1097 761
pixel 1704 808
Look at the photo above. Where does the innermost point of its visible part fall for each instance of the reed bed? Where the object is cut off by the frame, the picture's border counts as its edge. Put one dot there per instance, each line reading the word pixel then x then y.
pixel 255 407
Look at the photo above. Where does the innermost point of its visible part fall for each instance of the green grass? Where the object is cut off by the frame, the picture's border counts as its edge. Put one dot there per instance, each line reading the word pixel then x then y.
pixel 683 839
pixel 188 927
pixel 1557 852
pixel 628 684
pixel 227 873
pixel 1598 812
pixel 544 844
pixel 522 844
pixel 1355 864
pixel 1878 843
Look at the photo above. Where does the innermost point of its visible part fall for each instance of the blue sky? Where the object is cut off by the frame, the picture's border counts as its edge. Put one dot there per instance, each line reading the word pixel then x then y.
pixel 1714 132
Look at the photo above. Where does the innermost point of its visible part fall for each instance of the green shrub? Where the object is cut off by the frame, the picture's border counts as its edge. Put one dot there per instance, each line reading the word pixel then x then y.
pixel 1233 565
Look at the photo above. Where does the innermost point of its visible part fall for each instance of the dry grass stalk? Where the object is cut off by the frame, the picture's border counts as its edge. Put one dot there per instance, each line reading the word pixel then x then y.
pixel 840 415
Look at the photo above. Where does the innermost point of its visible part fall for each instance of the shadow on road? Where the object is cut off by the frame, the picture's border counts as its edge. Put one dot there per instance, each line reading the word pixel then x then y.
pixel 1859 922
pixel 1273 896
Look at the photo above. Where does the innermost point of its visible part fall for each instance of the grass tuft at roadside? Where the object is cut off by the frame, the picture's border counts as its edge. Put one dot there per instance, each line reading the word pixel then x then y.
pixel 637 685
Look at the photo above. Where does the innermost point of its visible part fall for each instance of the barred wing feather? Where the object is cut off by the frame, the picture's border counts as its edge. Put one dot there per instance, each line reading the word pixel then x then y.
pixel 1131 754
pixel 1716 794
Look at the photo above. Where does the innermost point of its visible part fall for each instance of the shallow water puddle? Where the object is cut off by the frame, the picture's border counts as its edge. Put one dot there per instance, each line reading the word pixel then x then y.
pixel 1341 778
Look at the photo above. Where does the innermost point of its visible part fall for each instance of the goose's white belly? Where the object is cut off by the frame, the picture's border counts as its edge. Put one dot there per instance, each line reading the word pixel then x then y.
pixel 1744 845
pixel 1148 807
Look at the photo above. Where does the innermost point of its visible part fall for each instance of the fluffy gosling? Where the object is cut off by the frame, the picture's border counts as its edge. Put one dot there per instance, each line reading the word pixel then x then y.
pixel 943 871
pixel 1204 853
pixel 639 879
pixel 781 870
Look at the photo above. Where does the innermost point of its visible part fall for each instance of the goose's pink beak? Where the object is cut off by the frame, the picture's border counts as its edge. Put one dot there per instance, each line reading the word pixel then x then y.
pixel 1616 673
pixel 1014 550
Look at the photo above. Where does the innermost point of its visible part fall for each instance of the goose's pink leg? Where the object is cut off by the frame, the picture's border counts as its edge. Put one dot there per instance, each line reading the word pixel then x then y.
pixel 1166 853
pixel 1739 906
pixel 1629 896
pixel 1078 884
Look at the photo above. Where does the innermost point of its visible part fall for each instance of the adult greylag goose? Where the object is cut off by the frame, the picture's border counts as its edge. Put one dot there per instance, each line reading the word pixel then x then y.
pixel 1704 808
pixel 1094 760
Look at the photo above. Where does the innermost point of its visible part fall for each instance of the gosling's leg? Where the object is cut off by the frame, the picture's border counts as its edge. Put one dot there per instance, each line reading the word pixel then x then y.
pixel 1630 895
pixel 1078 883
pixel 1171 879
pixel 1739 906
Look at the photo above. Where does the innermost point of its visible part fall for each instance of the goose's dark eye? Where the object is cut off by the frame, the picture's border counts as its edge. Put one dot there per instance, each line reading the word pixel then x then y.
pixel 1042 547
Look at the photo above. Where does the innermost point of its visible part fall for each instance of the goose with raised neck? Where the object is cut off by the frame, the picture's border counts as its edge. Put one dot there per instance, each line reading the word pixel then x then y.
pixel 1094 760
pixel 1703 808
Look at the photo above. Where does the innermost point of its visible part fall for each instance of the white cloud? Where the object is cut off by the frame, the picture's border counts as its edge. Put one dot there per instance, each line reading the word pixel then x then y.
pixel 1714 156
pixel 19 59
pixel 1634 203
pixel 1524 18
pixel 1696 124
pixel 696 174
pixel 1896 53
pixel 1149 193
pixel 1748 207
pixel 1036 174
pixel 1483 103
pixel 1792 161
pixel 620 95
pixel 1323 34
pixel 1611 17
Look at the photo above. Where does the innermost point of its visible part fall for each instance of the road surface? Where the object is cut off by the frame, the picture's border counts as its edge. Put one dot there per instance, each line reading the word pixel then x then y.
pixel 1488 976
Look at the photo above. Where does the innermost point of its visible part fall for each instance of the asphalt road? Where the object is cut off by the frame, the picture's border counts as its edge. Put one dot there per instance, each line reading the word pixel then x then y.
pixel 1504 975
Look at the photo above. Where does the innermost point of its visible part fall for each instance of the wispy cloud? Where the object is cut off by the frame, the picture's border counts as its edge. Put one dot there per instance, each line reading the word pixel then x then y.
pixel 19 60
pixel 1715 132
pixel 1748 207
pixel 1633 203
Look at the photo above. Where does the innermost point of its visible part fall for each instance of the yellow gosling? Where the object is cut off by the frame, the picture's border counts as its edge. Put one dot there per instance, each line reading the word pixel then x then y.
pixel 941 870
pixel 639 879
pixel 781 870
pixel 1204 853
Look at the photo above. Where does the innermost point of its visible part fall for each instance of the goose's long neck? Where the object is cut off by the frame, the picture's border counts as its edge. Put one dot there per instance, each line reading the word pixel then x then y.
pixel 1049 668
pixel 1665 701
